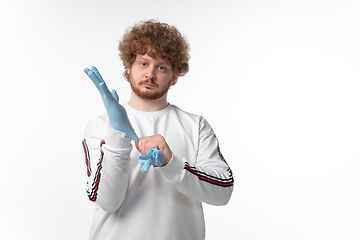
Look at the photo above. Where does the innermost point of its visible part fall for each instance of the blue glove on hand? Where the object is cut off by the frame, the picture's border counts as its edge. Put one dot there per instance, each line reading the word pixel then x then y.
pixel 118 118
pixel 148 159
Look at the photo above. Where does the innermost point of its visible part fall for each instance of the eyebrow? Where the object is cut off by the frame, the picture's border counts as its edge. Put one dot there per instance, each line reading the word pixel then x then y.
pixel 161 62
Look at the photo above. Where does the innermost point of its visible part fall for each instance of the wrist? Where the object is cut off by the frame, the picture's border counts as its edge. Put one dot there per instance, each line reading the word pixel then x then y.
pixel 117 139
pixel 167 158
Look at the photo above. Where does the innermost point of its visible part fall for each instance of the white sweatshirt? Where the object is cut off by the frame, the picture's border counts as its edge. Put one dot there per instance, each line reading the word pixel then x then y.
pixel 164 203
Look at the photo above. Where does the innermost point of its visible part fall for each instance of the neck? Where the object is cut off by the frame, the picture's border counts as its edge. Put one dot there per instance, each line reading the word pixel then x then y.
pixel 147 105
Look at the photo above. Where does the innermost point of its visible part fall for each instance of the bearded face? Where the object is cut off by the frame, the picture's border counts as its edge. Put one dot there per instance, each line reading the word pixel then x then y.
pixel 150 78
pixel 148 89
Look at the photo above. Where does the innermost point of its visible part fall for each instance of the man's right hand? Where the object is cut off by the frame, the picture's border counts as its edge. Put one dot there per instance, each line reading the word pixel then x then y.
pixel 118 118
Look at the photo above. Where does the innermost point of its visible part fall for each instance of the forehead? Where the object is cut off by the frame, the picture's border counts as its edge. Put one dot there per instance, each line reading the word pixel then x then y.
pixel 148 58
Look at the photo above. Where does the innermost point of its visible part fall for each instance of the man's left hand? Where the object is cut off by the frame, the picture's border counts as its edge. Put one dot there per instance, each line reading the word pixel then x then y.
pixel 155 141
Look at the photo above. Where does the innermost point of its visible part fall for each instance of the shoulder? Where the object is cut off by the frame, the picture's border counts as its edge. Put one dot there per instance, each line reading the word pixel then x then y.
pixel 97 126
pixel 186 115
pixel 192 119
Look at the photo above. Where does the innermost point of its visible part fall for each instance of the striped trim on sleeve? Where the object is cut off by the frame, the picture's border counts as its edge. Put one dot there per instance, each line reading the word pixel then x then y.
pixel 223 159
pixel 87 157
pixel 95 184
pixel 228 182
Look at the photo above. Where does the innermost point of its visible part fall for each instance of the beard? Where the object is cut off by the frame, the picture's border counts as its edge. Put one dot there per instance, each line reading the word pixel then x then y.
pixel 153 94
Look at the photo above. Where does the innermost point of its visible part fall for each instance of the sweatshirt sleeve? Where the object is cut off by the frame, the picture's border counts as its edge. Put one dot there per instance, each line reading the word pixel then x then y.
pixel 106 155
pixel 207 179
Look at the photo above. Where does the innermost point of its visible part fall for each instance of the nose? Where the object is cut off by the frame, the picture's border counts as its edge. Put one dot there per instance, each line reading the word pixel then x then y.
pixel 150 74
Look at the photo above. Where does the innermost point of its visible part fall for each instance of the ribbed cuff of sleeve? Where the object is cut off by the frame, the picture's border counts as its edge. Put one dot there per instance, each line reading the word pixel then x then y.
pixel 116 139
pixel 173 169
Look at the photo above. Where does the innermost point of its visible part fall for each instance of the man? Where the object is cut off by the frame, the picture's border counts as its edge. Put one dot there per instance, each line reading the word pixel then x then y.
pixel 164 202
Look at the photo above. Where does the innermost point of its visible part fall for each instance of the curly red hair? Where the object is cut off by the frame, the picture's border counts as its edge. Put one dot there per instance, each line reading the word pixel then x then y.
pixel 159 40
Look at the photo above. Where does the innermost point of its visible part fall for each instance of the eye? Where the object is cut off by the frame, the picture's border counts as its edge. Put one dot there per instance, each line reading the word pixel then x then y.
pixel 143 64
pixel 161 68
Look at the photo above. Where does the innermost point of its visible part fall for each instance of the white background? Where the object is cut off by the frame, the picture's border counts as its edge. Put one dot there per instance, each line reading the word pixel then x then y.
pixel 278 80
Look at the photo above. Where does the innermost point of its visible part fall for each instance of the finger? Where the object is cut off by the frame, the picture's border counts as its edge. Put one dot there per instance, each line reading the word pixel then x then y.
pixel 93 76
pixel 115 95
pixel 137 146
pixel 103 87
pixel 87 70
pixel 94 69
pixel 143 146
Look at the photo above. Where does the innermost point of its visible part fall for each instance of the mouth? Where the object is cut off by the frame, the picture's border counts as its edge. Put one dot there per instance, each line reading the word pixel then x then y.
pixel 148 85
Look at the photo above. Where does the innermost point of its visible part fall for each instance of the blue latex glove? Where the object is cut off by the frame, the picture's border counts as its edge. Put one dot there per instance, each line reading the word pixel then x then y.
pixel 148 159
pixel 115 95
pixel 118 118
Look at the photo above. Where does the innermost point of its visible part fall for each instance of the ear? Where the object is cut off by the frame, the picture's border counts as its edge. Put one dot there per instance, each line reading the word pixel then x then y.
pixel 128 70
pixel 173 80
